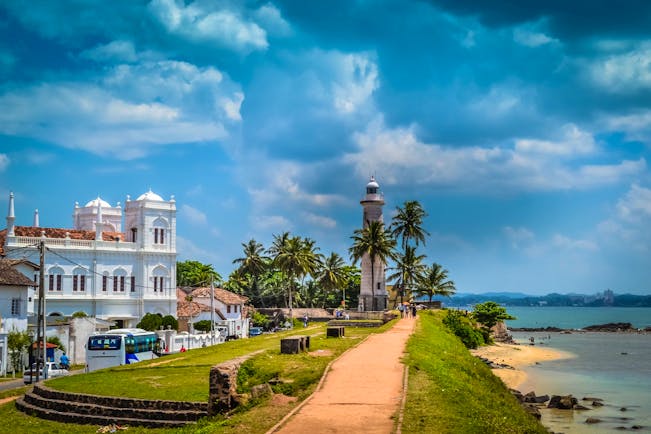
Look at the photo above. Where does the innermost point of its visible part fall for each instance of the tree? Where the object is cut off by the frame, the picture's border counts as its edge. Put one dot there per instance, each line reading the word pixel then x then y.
pixel 409 269
pixel 254 261
pixel 296 258
pixel 169 320
pixel 151 322
pixel 376 242
pixel 56 341
pixel 79 314
pixel 407 223
pixel 434 282
pixel 333 275
pixel 490 313
pixel 202 326
pixel 194 273
pixel 17 343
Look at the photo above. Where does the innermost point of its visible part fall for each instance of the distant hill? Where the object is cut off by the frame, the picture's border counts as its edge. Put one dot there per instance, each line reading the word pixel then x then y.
pixel 554 299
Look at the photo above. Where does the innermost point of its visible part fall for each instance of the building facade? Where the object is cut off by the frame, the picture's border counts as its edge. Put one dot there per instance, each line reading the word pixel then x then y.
pixel 114 264
pixel 373 299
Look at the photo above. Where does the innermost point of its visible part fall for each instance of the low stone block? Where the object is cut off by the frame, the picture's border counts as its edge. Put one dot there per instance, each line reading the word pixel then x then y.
pixel 335 332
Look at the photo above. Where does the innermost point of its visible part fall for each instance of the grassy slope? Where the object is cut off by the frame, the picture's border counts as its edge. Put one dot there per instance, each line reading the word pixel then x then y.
pixel 185 377
pixel 451 391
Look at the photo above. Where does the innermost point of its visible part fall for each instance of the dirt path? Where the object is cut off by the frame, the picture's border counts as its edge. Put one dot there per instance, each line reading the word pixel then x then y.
pixel 361 392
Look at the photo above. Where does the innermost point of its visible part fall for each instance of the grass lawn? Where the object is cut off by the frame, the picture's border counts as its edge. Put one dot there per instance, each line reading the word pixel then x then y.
pixel 185 377
pixel 451 391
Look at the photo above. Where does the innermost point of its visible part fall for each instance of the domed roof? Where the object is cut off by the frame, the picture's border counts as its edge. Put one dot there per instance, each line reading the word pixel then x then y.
pixel 93 203
pixel 150 195
pixel 373 183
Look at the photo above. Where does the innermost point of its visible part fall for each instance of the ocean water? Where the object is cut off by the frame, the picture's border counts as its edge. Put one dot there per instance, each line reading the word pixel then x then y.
pixel 615 367
pixel 577 317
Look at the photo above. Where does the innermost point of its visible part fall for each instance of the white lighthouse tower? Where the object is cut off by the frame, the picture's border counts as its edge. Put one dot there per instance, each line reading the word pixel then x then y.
pixel 370 299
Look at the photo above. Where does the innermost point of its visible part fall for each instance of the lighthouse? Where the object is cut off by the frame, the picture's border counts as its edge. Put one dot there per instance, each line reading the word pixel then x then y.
pixel 370 299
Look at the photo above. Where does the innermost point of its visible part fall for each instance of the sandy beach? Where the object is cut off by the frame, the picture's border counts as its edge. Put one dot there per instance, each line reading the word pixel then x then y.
pixel 518 357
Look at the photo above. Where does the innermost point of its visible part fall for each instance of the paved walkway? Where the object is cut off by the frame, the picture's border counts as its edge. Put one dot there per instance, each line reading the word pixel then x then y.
pixel 361 392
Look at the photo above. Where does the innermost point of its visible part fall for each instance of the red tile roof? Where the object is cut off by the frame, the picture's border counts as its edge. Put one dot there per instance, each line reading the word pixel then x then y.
pixel 189 309
pixel 74 234
pixel 226 297
pixel 9 276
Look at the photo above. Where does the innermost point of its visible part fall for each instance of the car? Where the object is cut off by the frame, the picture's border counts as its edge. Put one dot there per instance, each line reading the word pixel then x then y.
pixel 255 331
pixel 51 370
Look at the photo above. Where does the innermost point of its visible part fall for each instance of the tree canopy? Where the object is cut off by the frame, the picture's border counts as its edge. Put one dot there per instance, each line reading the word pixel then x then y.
pixel 490 313
pixel 194 273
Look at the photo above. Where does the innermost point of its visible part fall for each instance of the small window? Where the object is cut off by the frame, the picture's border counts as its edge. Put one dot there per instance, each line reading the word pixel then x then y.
pixel 74 283
pixel 51 283
pixel 104 283
pixel 82 283
pixel 133 283
pixel 115 283
pixel 134 235
pixel 15 306
pixel 121 283
pixel 228 308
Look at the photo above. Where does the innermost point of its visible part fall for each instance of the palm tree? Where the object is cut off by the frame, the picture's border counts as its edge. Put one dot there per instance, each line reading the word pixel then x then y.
pixel 296 258
pixel 434 282
pixel 407 223
pixel 376 242
pixel 333 275
pixel 254 262
pixel 409 269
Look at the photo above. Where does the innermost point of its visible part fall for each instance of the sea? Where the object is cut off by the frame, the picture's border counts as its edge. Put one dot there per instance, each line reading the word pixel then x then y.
pixel 614 367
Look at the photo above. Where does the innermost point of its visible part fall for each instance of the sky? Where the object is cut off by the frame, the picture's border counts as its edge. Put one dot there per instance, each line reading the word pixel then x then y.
pixel 523 129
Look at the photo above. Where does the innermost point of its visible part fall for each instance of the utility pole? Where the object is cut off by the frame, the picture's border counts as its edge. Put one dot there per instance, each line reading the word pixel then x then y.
pixel 212 310
pixel 40 327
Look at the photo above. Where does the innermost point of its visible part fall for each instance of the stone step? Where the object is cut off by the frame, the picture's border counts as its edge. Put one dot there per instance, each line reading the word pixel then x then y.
pixel 59 416
pixel 116 402
pixel 80 408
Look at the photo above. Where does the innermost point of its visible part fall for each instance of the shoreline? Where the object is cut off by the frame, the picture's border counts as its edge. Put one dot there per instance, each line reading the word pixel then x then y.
pixel 514 358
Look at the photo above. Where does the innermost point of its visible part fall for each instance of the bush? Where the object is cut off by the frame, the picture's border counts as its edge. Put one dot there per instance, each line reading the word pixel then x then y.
pixel 169 320
pixel 151 322
pixel 464 328
pixel 260 320
pixel 79 314
pixel 202 326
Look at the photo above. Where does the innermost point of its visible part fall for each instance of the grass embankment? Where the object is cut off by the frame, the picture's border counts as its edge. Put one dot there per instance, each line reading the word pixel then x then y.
pixel 185 377
pixel 451 391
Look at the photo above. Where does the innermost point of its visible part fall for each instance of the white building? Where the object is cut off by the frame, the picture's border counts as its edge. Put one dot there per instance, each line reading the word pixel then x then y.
pixel 373 299
pixel 97 267
pixel 229 310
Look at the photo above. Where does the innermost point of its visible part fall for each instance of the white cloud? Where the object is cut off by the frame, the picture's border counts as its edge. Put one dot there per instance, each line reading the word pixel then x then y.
pixel 135 108
pixel 573 141
pixel 193 215
pixel 4 162
pixel 625 72
pixel 269 17
pixel 563 242
pixel 403 159
pixel 319 220
pixel 518 236
pixel 120 51
pixel 271 222
pixel 196 22
pixel 232 106
pixel 529 38
pixel 635 205
pixel 356 82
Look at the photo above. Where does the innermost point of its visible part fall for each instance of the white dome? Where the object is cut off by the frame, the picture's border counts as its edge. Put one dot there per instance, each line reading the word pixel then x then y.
pixel 93 203
pixel 150 195
pixel 373 183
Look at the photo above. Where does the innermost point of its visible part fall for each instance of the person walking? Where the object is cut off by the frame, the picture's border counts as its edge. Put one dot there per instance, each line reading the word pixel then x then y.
pixel 305 320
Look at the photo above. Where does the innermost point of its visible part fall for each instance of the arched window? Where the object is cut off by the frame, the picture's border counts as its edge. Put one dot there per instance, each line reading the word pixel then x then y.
pixel 55 279
pixel 160 276
pixel 105 277
pixel 79 280
pixel 160 230
pixel 119 277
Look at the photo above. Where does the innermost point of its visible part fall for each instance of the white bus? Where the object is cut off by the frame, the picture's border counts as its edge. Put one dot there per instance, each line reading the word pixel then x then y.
pixel 120 347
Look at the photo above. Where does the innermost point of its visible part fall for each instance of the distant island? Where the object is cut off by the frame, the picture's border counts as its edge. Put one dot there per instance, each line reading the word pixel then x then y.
pixel 604 299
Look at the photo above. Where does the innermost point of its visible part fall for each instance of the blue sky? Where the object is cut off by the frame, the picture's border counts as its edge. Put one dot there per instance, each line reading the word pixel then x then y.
pixel 524 130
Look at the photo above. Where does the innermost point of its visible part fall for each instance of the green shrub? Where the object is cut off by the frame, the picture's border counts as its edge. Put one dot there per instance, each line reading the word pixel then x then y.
pixel 464 328
pixel 169 320
pixel 260 320
pixel 202 326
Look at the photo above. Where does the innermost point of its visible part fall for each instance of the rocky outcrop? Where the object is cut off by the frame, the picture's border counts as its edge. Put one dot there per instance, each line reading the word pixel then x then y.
pixel 610 327
pixel 566 402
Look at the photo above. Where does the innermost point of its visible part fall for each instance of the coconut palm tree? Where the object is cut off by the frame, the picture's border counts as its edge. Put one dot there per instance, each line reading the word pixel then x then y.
pixel 296 258
pixel 409 269
pixel 333 275
pixel 254 261
pixel 376 242
pixel 407 223
pixel 435 282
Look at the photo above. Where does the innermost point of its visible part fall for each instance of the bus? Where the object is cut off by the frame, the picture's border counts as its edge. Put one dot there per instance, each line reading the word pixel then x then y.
pixel 121 347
